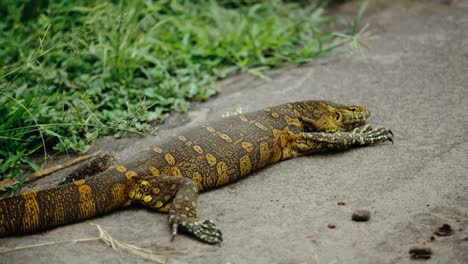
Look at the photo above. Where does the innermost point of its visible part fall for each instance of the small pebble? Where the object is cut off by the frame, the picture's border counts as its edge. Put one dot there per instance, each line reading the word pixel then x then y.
pixel 420 252
pixel 444 230
pixel 361 215
pixel 332 226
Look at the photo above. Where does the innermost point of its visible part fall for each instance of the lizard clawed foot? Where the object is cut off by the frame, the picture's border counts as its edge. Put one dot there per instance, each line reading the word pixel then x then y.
pixel 205 230
pixel 367 135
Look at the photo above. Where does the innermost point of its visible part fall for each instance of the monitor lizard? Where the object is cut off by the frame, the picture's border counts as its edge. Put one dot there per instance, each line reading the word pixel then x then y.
pixel 169 175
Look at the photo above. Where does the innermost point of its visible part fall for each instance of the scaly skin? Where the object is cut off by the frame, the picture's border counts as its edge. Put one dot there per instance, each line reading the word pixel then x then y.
pixel 168 176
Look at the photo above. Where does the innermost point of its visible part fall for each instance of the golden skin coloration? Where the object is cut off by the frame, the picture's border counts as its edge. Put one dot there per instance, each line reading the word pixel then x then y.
pixel 169 175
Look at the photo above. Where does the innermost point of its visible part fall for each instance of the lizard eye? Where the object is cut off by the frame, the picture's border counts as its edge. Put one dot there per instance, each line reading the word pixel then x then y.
pixel 337 115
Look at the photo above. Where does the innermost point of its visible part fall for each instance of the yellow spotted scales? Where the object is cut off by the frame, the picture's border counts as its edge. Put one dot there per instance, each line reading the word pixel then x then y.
pixel 169 175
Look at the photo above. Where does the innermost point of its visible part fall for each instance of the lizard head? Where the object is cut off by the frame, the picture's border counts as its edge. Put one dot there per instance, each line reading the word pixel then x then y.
pixel 324 116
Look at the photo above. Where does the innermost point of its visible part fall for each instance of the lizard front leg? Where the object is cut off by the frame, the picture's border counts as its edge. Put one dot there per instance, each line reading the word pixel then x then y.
pixel 320 141
pixel 178 195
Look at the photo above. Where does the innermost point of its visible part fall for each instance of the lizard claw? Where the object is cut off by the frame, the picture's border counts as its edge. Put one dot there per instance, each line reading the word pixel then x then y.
pixel 390 139
pixel 174 231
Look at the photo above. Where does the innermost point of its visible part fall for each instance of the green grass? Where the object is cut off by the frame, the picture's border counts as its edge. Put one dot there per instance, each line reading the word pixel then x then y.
pixel 71 71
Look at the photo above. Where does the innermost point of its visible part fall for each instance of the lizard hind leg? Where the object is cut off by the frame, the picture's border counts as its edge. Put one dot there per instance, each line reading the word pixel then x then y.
pixel 91 168
pixel 179 197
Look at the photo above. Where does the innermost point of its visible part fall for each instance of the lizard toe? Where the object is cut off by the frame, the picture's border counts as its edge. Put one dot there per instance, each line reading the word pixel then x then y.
pixel 362 129
pixel 205 231
pixel 366 128
pixel 367 135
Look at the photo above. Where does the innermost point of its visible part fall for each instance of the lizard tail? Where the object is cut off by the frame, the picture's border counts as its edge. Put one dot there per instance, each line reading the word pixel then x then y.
pixel 39 210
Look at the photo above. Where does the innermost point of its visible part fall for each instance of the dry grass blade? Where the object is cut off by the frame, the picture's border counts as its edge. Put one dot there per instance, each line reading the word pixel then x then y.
pixel 118 245
pixel 7 249
pixel 160 256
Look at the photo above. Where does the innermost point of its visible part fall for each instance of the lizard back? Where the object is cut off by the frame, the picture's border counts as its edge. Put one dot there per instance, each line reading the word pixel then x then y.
pixel 222 151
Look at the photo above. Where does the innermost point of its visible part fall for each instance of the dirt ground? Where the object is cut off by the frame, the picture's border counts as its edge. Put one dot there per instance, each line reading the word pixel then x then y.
pixel 414 78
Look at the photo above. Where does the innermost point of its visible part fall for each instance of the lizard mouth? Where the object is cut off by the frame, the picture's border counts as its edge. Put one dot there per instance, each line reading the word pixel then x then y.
pixel 357 117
